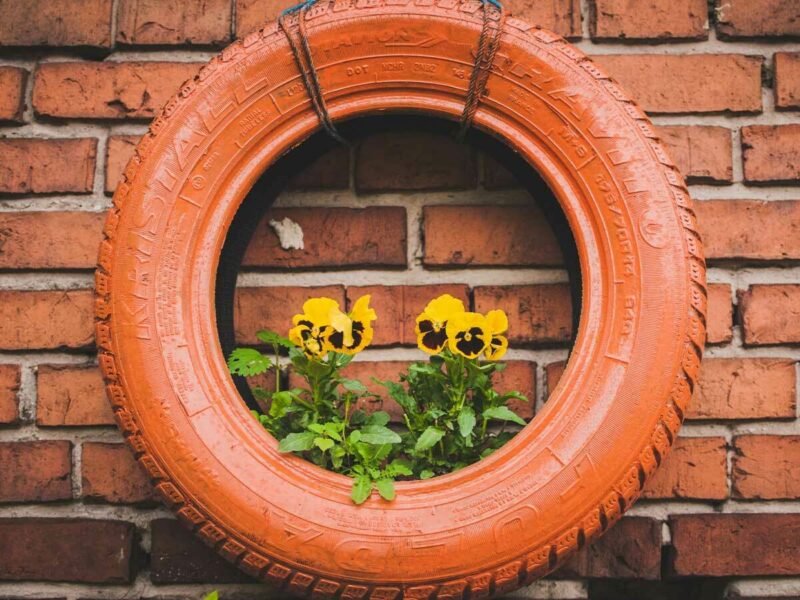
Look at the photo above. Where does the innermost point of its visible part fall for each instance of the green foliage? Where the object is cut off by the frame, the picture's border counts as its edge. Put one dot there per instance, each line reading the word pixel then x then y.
pixel 452 416
pixel 247 362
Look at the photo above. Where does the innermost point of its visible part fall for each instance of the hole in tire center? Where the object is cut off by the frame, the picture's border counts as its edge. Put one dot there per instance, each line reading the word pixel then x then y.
pixel 405 214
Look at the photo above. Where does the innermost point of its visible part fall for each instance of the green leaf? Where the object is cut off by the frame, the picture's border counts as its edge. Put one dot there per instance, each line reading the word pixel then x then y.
pixel 342 360
pixel 428 439
pixel 247 362
pixel 378 434
pixel 274 339
pixel 426 474
pixel 332 431
pixel 359 417
pixel 281 401
pixel 353 385
pixel 318 369
pixel 297 442
pixel 466 421
pixel 354 437
pixel 212 595
pixel 399 394
pixel 378 418
pixel 503 413
pixel 362 486
pixel 400 466
pixel 337 456
pixel 316 427
pixel 324 444
pixel 382 452
pixel 385 488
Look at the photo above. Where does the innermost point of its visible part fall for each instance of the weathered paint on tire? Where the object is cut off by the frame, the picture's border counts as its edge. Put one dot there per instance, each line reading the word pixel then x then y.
pixel 558 485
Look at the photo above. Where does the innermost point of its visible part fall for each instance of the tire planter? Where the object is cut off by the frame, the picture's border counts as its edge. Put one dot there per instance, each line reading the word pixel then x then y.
pixel 562 481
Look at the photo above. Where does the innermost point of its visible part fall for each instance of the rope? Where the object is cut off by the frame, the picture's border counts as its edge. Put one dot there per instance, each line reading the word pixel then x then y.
pixel 488 43
pixel 305 64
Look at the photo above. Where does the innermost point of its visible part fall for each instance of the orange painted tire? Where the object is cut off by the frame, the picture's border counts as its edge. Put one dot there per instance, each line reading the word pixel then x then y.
pixel 556 486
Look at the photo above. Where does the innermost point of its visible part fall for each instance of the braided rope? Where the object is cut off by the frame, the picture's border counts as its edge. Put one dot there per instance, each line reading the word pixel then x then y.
pixel 488 43
pixel 305 64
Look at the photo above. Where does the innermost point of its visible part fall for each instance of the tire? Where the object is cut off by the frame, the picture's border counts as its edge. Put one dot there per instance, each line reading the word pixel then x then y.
pixel 568 476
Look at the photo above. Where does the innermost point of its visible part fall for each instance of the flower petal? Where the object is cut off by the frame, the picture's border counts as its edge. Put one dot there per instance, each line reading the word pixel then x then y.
pixel 343 324
pixel 467 334
pixel 496 322
pixel 496 347
pixel 444 307
pixel 362 311
pixel 319 310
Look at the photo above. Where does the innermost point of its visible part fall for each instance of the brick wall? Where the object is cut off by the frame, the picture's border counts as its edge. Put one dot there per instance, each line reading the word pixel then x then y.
pixel 79 80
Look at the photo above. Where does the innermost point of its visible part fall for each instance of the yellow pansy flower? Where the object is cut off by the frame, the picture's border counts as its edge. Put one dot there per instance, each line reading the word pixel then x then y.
pixel 468 334
pixel 356 333
pixel 312 328
pixel 497 325
pixel 432 322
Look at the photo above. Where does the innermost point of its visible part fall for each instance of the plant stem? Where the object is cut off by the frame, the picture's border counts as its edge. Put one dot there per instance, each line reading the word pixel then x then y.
pixel 277 368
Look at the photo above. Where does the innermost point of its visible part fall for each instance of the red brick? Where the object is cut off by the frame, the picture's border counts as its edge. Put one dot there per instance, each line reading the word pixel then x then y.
pixel 537 314
pixel 787 80
pixel 364 371
pixel 553 373
pixel 630 550
pixel 56 23
pixel 177 556
pixel 691 83
pixel 331 171
pixel 397 307
pixel 489 236
pixel 41 320
pixel 107 90
pixel 35 471
pixel 46 166
pixel 70 395
pixel 518 376
pixel 110 473
pixel 702 154
pixel 50 240
pixel 695 469
pixel 560 16
pixel 12 93
pixel 402 161
pixel 771 153
pixel 720 314
pixel 120 150
pixel 148 22
pixel 273 308
pixel 333 237
pixel 9 400
pixel 770 314
pixel 66 550
pixel 732 388
pixel 718 545
pixel 252 15
pixel 750 229
pixel 757 18
pixel 766 467
pixel 663 20
pixel 744 388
